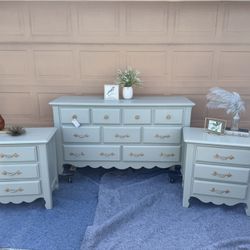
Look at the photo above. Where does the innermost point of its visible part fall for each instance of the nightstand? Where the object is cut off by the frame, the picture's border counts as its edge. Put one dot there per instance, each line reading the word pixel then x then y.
pixel 28 166
pixel 215 168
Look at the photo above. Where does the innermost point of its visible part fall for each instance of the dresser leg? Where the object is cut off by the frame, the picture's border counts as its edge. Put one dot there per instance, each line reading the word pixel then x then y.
pixel 185 202
pixel 247 209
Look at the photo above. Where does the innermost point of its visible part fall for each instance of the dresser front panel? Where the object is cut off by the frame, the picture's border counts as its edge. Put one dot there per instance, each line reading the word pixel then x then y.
pixel 122 134
pixel 162 135
pixel 142 132
pixel 82 134
pixel 82 115
pixel 136 116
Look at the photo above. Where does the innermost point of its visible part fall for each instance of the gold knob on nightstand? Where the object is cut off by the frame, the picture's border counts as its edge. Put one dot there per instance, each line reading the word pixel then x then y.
pixel 168 117
pixel 137 117
pixel 106 117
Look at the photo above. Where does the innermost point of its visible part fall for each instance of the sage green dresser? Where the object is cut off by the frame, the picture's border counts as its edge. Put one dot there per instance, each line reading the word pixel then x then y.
pixel 142 132
pixel 28 166
pixel 216 168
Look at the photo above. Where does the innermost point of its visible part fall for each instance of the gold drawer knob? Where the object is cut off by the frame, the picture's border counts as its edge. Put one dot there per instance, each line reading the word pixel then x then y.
pixel 18 172
pixel 223 158
pixel 107 154
pixel 168 117
pixel 167 154
pixel 76 154
pixel 122 136
pixel 221 175
pixel 106 117
pixel 81 136
pixel 218 191
pixel 162 136
pixel 136 155
pixel 9 156
pixel 137 117
pixel 10 190
pixel 74 117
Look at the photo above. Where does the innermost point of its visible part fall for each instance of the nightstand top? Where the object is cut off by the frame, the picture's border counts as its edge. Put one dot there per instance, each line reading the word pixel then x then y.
pixel 32 135
pixel 200 136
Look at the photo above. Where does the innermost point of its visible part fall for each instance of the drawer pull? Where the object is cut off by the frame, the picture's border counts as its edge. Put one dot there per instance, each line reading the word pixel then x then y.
pixel 107 154
pixel 223 158
pixel 168 117
pixel 106 117
pixel 217 191
pixel 10 190
pixel 9 156
pixel 18 172
pixel 167 154
pixel 122 136
pixel 137 117
pixel 76 154
pixel 162 136
pixel 81 136
pixel 74 117
pixel 136 155
pixel 221 175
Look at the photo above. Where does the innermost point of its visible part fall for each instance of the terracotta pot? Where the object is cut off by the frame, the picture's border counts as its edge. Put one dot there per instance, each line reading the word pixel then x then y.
pixel 2 123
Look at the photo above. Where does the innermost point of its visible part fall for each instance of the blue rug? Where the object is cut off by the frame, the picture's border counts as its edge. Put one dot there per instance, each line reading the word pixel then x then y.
pixel 31 226
pixel 142 210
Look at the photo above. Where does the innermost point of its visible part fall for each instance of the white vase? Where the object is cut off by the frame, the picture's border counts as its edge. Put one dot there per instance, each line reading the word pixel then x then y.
pixel 127 92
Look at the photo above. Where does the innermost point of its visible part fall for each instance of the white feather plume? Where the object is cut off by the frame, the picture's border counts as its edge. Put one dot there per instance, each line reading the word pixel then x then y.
pixel 219 98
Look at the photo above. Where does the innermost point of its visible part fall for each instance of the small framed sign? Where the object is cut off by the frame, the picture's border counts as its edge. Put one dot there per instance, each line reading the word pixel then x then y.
pixel 111 92
pixel 214 125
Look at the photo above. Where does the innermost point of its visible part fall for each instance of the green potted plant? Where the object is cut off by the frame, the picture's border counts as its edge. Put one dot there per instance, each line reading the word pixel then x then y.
pixel 127 79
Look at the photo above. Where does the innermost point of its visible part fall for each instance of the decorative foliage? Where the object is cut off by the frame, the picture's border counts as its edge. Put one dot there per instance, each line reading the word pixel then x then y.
pixel 219 98
pixel 128 77
pixel 16 130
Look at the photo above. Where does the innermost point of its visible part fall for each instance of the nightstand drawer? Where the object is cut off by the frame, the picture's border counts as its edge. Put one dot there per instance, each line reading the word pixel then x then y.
pixel 137 116
pixel 122 134
pixel 147 153
pixel 20 188
pixel 168 116
pixel 106 116
pixel 81 134
pixel 19 171
pixel 92 153
pixel 17 154
pixel 230 174
pixel 220 189
pixel 161 135
pixel 223 155
pixel 80 114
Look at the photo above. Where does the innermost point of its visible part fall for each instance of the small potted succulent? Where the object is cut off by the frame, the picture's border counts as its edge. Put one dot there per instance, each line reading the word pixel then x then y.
pixel 127 79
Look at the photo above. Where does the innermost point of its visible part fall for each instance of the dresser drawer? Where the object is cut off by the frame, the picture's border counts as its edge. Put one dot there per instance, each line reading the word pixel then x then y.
pixel 122 134
pixel 20 188
pixel 106 116
pixel 223 155
pixel 230 174
pixel 92 153
pixel 220 189
pixel 19 171
pixel 147 153
pixel 80 114
pixel 168 116
pixel 137 116
pixel 81 134
pixel 161 135
pixel 14 154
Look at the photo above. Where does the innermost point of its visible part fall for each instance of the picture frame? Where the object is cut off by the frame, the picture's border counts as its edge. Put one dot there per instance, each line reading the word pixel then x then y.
pixel 214 125
pixel 111 92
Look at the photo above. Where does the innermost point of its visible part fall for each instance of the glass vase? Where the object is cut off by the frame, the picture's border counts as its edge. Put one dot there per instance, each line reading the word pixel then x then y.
pixel 235 122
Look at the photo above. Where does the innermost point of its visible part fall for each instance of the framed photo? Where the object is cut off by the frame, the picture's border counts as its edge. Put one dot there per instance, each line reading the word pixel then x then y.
pixel 214 125
pixel 111 92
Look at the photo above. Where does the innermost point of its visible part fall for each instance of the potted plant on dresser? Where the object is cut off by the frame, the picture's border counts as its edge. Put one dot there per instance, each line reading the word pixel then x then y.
pixel 127 79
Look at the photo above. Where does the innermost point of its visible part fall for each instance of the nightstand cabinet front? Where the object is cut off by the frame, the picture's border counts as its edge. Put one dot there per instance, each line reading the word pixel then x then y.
pixel 28 166
pixel 216 168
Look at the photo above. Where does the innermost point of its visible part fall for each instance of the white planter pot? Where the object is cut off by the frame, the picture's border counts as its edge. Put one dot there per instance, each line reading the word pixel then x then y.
pixel 127 92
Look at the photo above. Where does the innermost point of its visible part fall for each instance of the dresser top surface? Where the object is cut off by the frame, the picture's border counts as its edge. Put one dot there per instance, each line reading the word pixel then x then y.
pixel 200 136
pixel 137 101
pixel 32 135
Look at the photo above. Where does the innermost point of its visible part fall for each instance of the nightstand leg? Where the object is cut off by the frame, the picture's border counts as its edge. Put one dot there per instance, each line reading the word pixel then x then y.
pixel 48 203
